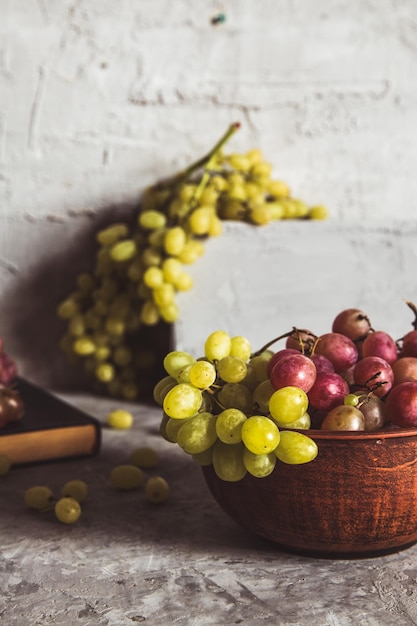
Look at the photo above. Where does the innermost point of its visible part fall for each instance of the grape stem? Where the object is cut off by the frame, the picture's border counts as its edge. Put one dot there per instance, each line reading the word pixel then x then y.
pixel 294 330
pixel 209 157
pixel 413 307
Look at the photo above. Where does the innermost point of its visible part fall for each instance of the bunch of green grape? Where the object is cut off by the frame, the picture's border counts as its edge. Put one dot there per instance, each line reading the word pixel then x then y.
pixel 223 411
pixel 140 269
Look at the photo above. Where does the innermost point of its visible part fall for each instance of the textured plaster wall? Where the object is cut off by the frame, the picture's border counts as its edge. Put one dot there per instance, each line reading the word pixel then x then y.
pixel 98 99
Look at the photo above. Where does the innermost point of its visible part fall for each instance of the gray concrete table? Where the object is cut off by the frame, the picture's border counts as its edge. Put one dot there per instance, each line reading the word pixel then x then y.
pixel 185 562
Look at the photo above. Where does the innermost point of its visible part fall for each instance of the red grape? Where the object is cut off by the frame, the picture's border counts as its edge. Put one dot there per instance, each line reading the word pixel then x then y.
pixel 351 322
pixel 339 349
pixel 374 412
pixel 344 417
pixel 380 343
pixel 11 405
pixel 8 369
pixel 295 370
pixel 409 347
pixel 278 356
pixel 300 339
pixel 322 363
pixel 404 369
pixel 375 374
pixel 328 391
pixel 401 404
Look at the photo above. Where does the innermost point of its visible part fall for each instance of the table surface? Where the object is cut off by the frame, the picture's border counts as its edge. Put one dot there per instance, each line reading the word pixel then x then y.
pixel 184 562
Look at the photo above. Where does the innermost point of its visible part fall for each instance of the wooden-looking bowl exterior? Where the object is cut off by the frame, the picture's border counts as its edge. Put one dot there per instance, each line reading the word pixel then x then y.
pixel 359 496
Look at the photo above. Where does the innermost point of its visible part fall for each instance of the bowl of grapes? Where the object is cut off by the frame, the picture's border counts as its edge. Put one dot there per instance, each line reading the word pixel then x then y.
pixel 310 441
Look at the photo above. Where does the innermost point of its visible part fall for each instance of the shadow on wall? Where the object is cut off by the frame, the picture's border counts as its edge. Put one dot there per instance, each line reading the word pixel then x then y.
pixel 32 300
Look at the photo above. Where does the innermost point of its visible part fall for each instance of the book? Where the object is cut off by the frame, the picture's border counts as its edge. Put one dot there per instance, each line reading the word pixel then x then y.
pixel 50 429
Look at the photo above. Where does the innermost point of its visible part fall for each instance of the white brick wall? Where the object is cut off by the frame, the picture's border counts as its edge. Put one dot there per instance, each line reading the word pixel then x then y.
pixel 99 99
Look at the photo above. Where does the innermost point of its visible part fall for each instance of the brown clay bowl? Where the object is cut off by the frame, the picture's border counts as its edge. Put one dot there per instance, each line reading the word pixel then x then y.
pixel 358 497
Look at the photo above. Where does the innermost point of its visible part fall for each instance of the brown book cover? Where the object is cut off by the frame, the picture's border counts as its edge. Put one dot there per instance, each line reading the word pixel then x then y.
pixel 50 429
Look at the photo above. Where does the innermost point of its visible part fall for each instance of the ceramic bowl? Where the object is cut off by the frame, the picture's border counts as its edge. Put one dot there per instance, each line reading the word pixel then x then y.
pixel 358 497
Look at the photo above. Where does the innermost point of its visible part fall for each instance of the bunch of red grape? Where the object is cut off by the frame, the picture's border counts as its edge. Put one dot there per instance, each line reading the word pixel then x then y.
pixel 241 411
pixel 11 404
pixel 355 377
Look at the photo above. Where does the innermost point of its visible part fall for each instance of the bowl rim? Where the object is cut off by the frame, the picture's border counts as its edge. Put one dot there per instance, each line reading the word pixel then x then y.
pixel 343 435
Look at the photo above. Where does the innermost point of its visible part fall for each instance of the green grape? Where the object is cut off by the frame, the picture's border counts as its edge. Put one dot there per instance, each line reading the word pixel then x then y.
pixel 112 234
pixel 200 219
pixel 151 220
pixel 5 464
pixel 278 189
pixel 262 394
pixel 38 497
pixel 240 347
pixel 288 404
pixel 126 477
pixel 251 379
pixel 296 448
pixel 149 314
pixel 209 196
pixel 259 465
pixel 156 489
pixel 229 425
pixel 228 461
pixel 172 427
pixel 153 277
pixel 144 457
pixel 260 434
pixel 104 372
pixel 217 345
pixel 123 250
pixel 260 364
pixel 183 282
pixel 318 212
pixel 202 374
pixel 163 295
pixel 174 240
pixel 183 375
pixel 84 346
pixel 77 489
pixel 120 419
pixel 115 326
pixel 192 250
pixel 171 270
pixel 215 226
pixel 303 423
pixel 67 510
pixel 169 313
pixel 239 162
pixel 76 326
pixel 351 399
pixel 198 433
pixel 151 256
pixel 277 210
pixel 162 387
pixel 182 401
pixel 175 360
pixel 232 369
pixel 236 395
pixel 260 214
